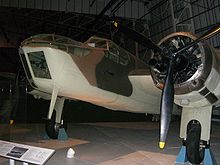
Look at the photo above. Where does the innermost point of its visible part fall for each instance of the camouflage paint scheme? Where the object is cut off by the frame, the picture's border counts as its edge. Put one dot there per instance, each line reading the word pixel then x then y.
pixel 106 66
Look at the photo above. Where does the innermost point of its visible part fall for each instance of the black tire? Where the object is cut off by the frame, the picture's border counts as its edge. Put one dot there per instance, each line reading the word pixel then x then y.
pixel 51 128
pixel 195 153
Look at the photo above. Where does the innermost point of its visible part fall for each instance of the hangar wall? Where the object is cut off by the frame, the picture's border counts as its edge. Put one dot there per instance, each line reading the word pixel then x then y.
pixel 196 16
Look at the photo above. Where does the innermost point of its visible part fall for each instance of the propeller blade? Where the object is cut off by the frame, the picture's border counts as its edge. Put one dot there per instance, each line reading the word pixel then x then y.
pixel 168 91
pixel 210 33
pixel 136 36
pixel 166 106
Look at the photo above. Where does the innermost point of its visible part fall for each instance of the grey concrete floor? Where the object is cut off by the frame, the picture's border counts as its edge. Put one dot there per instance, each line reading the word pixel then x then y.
pixel 106 143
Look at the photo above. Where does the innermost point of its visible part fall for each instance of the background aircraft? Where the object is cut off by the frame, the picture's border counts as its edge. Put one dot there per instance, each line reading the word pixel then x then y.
pixel 100 72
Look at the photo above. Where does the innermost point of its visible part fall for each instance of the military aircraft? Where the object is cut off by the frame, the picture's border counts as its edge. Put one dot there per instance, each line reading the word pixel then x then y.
pixel 98 71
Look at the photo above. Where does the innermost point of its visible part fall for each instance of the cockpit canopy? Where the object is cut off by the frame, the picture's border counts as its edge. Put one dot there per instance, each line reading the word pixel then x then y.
pixel 58 42
pixel 112 51
pixel 51 38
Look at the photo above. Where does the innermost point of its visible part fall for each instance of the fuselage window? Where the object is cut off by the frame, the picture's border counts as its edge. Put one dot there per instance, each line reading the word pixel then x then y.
pixel 117 55
pixel 123 61
pixel 39 64
pixel 124 57
pixel 59 46
pixel 77 51
pixel 101 44
pixel 98 43
pixel 113 57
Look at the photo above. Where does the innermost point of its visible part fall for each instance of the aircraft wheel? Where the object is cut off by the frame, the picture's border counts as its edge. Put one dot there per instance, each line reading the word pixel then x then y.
pixel 52 128
pixel 195 153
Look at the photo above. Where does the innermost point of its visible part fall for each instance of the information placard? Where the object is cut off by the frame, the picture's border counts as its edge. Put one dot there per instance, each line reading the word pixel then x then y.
pixel 25 153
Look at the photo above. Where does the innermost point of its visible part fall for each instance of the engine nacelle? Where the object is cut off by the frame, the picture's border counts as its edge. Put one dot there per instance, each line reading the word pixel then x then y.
pixel 196 71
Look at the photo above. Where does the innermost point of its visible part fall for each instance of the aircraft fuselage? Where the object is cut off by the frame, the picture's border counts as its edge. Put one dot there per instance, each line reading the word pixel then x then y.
pixel 90 74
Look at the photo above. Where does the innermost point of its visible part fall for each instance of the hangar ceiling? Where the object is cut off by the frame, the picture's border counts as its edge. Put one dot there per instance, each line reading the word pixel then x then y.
pixel 26 22
pixel 79 19
pixel 76 19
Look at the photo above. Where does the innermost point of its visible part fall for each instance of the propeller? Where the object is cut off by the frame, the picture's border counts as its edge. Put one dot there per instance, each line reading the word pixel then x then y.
pixel 136 36
pixel 167 98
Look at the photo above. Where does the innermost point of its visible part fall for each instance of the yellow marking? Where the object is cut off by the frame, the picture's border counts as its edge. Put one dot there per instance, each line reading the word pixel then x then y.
pixel 116 24
pixel 161 145
pixel 11 122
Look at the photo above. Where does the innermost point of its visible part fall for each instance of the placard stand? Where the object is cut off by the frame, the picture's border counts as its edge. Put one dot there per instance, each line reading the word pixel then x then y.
pixel 12 162
pixel 24 153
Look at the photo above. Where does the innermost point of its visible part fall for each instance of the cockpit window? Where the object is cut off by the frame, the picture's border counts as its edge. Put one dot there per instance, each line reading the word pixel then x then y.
pixel 96 42
pixel 39 64
pixel 52 38
pixel 78 51
pixel 58 42
pixel 61 39
pixel 117 54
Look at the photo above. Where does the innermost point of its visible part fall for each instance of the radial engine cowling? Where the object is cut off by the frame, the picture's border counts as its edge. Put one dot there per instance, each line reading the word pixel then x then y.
pixel 196 71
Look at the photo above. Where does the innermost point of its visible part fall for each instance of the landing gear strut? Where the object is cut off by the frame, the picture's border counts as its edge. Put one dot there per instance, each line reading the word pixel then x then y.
pixel 55 128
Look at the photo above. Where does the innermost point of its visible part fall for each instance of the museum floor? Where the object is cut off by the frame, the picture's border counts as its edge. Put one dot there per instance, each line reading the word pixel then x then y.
pixel 106 143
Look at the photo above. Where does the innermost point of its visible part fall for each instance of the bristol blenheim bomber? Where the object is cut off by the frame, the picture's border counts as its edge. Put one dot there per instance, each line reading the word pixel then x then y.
pixel 184 67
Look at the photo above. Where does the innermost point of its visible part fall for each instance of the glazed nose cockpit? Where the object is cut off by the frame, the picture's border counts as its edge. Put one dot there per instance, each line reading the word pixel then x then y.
pixel 33 54
pixel 39 65
pixel 35 66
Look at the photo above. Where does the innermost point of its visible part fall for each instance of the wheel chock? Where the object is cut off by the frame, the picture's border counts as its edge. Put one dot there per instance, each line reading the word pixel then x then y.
pixel 209 158
pixel 45 136
pixel 62 135
pixel 181 157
